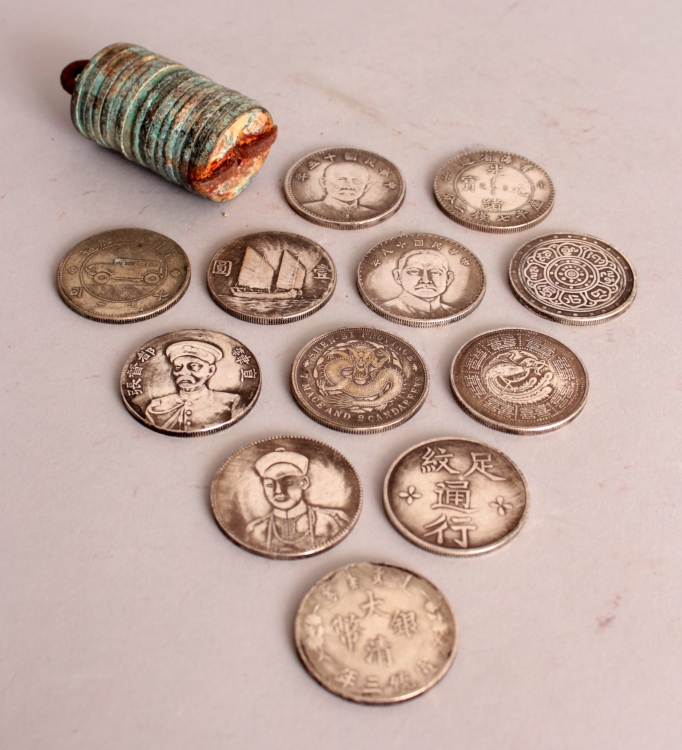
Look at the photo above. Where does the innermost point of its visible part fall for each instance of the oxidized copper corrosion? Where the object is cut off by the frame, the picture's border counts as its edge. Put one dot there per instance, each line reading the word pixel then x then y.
pixel 182 125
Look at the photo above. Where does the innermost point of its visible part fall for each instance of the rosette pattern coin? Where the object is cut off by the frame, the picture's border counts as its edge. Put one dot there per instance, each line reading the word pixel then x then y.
pixel 519 381
pixel 455 497
pixel 375 633
pixel 573 278
pixel 286 497
pixel 189 383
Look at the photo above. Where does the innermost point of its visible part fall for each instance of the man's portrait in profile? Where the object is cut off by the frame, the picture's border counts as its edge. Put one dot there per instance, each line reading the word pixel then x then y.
pixel 344 184
pixel 193 405
pixel 423 275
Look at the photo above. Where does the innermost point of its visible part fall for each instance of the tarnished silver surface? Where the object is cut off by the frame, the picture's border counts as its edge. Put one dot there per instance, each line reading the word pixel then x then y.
pixel 286 497
pixel 190 383
pixel 271 277
pixel 519 381
pixel 573 278
pixel 375 633
pixel 455 497
pixel 359 380
pixel 421 280
pixel 494 191
pixel 123 275
pixel 344 188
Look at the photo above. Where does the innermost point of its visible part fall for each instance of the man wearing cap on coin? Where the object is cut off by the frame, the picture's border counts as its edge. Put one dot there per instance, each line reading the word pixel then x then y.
pixel 344 184
pixel 423 275
pixel 292 524
pixel 195 405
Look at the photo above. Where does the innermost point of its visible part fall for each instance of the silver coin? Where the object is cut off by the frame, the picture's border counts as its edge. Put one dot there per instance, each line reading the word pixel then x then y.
pixel 286 497
pixel 359 380
pixel 455 497
pixel 573 278
pixel 519 381
pixel 344 188
pixel 375 633
pixel 190 383
pixel 123 275
pixel 494 191
pixel 271 277
pixel 421 280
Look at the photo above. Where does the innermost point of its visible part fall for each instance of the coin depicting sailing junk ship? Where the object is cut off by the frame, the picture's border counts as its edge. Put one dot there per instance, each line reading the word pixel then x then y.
pixel 375 633
pixel 359 380
pixel 286 497
pixel 519 381
pixel 190 383
pixel 344 188
pixel 271 277
pixel 123 275
pixel 421 280
pixel 455 497
pixel 573 278
pixel 494 191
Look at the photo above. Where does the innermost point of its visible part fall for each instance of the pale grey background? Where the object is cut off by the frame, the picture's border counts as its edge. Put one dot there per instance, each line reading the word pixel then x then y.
pixel 127 619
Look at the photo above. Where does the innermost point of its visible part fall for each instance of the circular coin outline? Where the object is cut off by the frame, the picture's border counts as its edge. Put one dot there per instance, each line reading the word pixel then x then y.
pixel 274 556
pixel 350 224
pixel 67 261
pixel 544 311
pixel 503 426
pixel 452 552
pixel 313 672
pixel 417 322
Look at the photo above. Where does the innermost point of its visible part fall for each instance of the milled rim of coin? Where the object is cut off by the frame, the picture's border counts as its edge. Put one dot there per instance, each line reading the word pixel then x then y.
pixel 190 383
pixel 449 293
pixel 371 202
pixel 271 277
pixel 521 380
pixel 573 278
pixel 123 275
pixel 364 402
pixel 401 662
pixel 455 507
pixel 324 521
pixel 522 199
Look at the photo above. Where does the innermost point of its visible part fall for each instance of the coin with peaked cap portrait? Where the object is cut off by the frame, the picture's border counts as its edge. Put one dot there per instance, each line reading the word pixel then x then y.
pixel 375 633
pixel 271 277
pixel 421 280
pixel 286 497
pixel 191 382
pixel 123 275
pixel 344 188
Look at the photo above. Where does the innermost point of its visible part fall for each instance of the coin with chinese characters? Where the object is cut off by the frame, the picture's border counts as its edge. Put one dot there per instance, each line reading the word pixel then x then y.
pixel 286 497
pixel 344 188
pixel 455 497
pixel 359 380
pixel 519 381
pixel 123 275
pixel 375 633
pixel 189 383
pixel 421 280
pixel 573 278
pixel 271 277
pixel 494 191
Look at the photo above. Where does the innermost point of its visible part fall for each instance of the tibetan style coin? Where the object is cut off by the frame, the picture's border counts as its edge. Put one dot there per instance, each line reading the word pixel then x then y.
pixel 359 380
pixel 573 278
pixel 344 188
pixel 494 191
pixel 190 383
pixel 286 497
pixel 375 633
pixel 455 497
pixel 271 277
pixel 123 275
pixel 421 280
pixel 519 381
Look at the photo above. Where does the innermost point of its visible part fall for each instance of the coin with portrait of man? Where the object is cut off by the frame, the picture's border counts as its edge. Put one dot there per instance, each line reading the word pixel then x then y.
pixel 344 188
pixel 421 280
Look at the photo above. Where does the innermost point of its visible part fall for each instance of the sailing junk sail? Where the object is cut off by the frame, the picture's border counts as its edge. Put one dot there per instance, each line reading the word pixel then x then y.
pixel 261 279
